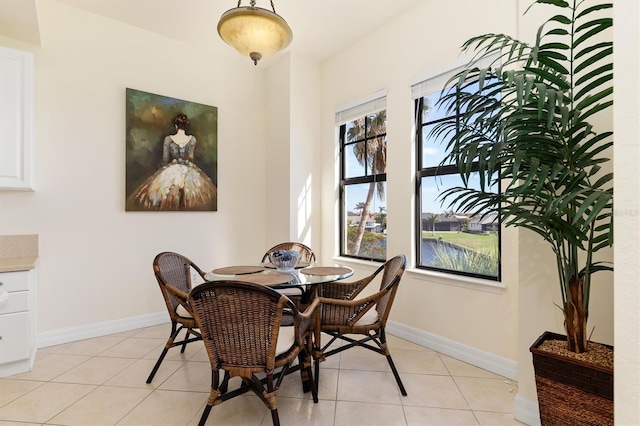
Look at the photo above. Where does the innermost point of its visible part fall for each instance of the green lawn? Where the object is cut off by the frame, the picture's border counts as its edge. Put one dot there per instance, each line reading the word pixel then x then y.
pixel 477 242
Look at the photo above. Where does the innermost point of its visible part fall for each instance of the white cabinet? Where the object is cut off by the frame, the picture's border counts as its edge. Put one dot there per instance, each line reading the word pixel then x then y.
pixel 16 119
pixel 17 322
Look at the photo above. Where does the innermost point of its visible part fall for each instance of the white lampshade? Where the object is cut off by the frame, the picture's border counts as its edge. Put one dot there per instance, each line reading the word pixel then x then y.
pixel 254 32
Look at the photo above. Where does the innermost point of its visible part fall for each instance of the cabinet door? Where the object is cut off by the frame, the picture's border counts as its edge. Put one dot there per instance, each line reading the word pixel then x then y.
pixel 14 281
pixel 14 337
pixel 16 119
pixel 16 302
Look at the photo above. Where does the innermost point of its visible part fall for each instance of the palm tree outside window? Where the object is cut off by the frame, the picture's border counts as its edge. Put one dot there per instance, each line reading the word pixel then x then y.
pixel 363 187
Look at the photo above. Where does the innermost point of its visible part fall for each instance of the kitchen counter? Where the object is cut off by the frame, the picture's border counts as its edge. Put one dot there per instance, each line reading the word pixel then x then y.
pixel 17 264
pixel 18 252
pixel 18 288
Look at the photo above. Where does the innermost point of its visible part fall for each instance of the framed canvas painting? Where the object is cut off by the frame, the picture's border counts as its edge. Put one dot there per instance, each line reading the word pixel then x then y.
pixel 171 154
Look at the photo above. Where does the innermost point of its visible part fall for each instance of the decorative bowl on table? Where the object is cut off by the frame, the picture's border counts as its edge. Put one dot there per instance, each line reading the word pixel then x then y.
pixel 284 260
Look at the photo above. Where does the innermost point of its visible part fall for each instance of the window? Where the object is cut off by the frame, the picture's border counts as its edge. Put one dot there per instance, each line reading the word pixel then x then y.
pixel 363 180
pixel 447 240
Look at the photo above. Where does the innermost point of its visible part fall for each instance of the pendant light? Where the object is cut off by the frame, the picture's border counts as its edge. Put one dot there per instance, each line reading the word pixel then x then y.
pixel 254 31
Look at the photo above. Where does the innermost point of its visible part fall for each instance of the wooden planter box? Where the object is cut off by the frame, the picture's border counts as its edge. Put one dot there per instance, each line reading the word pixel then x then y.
pixel 570 391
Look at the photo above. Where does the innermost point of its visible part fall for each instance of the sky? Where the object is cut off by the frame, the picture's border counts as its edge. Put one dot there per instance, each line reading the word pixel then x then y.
pixel 433 150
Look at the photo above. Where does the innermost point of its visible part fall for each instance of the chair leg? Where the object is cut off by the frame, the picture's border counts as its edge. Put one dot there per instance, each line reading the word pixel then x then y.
pixel 155 367
pixel 396 375
pixel 184 345
pixel 274 417
pixel 224 386
pixel 303 359
pixel 168 345
pixel 310 376
pixel 316 379
pixel 385 348
pixel 205 414
pixel 314 387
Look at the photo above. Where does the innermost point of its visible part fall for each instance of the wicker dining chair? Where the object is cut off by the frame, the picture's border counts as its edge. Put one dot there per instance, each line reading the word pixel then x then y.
pixel 240 326
pixel 306 255
pixel 342 315
pixel 176 274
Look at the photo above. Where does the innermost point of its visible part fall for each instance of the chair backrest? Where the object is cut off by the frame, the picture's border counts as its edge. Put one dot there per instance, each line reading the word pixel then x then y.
pixel 389 275
pixel 306 254
pixel 178 271
pixel 239 322
pixel 392 271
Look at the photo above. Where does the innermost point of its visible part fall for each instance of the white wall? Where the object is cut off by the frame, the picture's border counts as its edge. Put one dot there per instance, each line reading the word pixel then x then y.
pixel 627 192
pixel 95 258
pixel 292 110
pixel 278 153
pixel 305 150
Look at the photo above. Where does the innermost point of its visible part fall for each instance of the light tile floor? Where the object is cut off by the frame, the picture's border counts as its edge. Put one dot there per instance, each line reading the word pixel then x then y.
pixel 101 382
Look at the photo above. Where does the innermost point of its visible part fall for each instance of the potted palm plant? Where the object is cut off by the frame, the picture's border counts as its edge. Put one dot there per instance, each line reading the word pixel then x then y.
pixel 524 120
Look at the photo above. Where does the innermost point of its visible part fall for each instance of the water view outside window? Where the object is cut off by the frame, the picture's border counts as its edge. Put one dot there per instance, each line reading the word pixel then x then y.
pixel 363 187
pixel 448 240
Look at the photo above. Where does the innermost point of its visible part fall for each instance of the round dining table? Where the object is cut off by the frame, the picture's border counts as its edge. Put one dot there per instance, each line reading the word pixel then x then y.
pixel 306 276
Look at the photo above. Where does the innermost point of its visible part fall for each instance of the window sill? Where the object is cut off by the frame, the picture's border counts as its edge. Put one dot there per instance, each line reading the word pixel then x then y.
pixel 356 262
pixel 479 284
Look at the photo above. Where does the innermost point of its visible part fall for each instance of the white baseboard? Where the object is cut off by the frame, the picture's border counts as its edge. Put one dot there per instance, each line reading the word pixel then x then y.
pixel 496 364
pixel 57 337
pixel 526 411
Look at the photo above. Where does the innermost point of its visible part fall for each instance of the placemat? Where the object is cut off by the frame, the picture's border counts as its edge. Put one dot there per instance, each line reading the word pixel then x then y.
pixel 238 270
pixel 326 270
pixel 268 279
pixel 298 266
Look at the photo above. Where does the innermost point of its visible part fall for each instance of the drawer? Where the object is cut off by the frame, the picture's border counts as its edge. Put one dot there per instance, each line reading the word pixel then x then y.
pixel 17 302
pixel 14 337
pixel 14 281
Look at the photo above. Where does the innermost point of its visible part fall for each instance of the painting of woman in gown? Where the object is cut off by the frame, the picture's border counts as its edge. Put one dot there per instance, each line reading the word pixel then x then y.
pixel 176 183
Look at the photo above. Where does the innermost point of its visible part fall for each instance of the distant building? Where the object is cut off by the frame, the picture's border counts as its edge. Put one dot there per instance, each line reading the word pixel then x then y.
pixel 459 222
pixel 488 223
pixel 370 226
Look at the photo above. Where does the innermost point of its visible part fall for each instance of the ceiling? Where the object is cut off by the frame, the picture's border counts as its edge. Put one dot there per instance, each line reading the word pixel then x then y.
pixel 321 28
